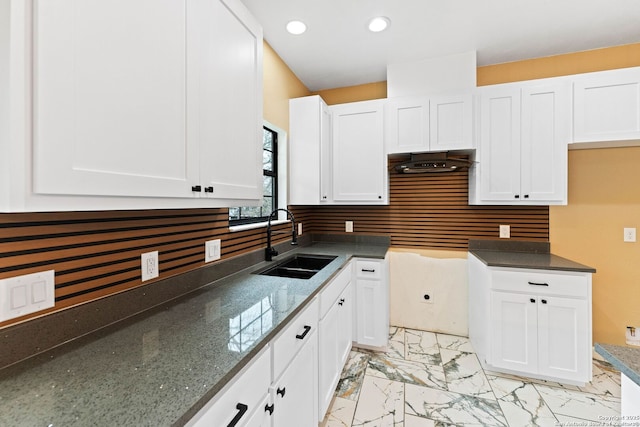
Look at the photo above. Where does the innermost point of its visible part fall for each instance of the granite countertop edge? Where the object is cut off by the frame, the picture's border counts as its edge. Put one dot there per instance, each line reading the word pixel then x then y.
pixel 523 254
pixel 625 359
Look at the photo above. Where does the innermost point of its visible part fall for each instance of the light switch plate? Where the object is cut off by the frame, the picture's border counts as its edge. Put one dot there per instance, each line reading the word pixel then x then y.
pixel 348 226
pixel 299 229
pixel 505 231
pixel 26 294
pixel 212 250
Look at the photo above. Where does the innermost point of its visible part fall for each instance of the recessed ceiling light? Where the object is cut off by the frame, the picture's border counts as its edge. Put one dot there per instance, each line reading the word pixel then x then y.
pixel 379 23
pixel 296 27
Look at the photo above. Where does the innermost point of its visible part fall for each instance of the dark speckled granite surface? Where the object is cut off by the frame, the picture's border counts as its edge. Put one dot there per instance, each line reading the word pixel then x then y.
pixel 161 366
pixel 625 359
pixel 515 254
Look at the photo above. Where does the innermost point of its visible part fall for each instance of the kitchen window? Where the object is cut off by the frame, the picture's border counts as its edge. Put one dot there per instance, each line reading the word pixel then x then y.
pixel 253 214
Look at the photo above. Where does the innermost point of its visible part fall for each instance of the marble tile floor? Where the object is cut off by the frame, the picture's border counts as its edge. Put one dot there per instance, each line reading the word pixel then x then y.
pixel 431 379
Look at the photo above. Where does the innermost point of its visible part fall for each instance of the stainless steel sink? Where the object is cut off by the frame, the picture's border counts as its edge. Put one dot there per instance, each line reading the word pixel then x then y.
pixel 301 266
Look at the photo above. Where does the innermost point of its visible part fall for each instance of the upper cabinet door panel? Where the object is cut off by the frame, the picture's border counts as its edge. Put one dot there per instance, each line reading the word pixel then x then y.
pixel 607 106
pixel 109 98
pixel 451 122
pixel 359 163
pixel 545 135
pixel 406 122
pixel 226 92
pixel 499 149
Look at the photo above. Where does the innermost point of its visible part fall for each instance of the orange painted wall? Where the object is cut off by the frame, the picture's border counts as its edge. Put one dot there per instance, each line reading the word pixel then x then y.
pixel 363 92
pixel 279 85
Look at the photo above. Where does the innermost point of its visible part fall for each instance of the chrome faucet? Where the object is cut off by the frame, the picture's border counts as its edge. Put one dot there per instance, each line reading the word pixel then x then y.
pixel 270 252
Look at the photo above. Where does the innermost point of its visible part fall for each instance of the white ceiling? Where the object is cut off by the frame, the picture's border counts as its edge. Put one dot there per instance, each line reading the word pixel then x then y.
pixel 337 50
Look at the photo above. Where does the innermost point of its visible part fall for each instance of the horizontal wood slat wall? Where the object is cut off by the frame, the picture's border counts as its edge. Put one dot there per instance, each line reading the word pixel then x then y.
pixel 430 211
pixel 96 254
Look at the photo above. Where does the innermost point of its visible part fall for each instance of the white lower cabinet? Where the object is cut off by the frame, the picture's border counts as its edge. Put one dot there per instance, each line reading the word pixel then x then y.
pixel 242 402
pixel 531 322
pixel 334 339
pixel 294 391
pixel 371 314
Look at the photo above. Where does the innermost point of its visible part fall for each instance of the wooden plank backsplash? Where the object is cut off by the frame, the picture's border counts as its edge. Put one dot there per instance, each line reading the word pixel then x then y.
pixel 96 254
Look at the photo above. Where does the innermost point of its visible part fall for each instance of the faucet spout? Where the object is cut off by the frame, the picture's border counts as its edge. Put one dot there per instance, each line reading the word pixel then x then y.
pixel 270 252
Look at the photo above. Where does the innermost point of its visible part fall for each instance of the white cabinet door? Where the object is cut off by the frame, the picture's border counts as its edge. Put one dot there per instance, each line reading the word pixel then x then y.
pixel 606 106
pixel 514 332
pixel 334 345
pixel 499 148
pixel 309 155
pixel 109 108
pixel 226 100
pixel 372 329
pixel 563 338
pixel 294 394
pixel 345 320
pixel 545 136
pixel 406 125
pixel 359 167
pixel 451 122
pixel 241 398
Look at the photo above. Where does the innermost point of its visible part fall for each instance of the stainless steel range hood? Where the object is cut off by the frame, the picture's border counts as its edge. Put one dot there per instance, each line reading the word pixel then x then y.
pixel 433 163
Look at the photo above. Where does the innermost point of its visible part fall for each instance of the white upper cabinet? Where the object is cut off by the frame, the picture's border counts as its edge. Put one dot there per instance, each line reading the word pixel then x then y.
pixel 607 106
pixel 522 150
pixel 359 167
pixel 421 124
pixel 309 151
pixel 135 100
pixel 336 153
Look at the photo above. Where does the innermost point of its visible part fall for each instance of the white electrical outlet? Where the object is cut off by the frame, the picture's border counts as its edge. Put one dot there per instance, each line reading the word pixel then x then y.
pixel 212 250
pixel 630 234
pixel 149 265
pixel 505 231
pixel 348 226
pixel 299 229
pixel 26 294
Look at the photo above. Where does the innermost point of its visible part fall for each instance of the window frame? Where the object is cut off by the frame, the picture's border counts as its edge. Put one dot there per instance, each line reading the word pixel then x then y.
pixel 275 175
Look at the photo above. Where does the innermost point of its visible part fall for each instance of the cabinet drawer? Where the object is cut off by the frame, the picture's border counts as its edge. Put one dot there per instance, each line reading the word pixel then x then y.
pixel 369 269
pixel 332 291
pixel 543 282
pixel 287 344
pixel 241 397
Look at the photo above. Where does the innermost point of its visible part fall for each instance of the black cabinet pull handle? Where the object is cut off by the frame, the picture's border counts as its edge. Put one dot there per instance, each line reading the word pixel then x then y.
pixel 369 270
pixel 197 188
pixel 538 284
pixel 517 196
pixel 304 334
pixel 242 408
pixel 208 189
pixel 341 301
pixel 526 196
pixel 269 409
pixel 281 391
pixel 532 300
pixel 544 301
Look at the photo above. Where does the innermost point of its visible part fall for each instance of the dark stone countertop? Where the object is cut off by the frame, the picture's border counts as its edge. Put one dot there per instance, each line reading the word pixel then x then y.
pixel 160 367
pixel 625 359
pixel 514 254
